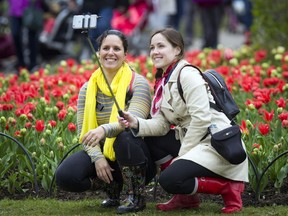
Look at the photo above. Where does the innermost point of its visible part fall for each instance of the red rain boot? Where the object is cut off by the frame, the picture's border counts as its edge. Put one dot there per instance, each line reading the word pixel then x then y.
pixel 229 190
pixel 180 201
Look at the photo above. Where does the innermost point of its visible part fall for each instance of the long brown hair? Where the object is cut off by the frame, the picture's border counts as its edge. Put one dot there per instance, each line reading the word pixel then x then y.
pixel 174 38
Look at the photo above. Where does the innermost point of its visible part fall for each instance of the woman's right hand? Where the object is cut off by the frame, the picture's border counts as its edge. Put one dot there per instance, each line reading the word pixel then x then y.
pixel 94 136
pixel 128 120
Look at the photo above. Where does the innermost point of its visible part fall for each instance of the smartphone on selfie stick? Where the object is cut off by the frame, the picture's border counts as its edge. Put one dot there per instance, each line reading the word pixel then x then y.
pixel 86 22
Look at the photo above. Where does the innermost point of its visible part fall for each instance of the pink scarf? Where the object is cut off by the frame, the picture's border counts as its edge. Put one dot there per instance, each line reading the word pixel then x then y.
pixel 159 86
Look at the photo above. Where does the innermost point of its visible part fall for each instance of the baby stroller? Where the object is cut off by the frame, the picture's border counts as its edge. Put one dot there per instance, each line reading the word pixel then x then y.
pixel 132 24
pixel 57 35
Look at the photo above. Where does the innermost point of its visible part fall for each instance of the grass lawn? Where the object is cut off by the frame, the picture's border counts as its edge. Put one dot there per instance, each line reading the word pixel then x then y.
pixel 40 207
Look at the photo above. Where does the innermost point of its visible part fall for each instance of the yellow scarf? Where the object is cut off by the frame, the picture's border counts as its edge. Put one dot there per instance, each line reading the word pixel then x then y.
pixel 119 87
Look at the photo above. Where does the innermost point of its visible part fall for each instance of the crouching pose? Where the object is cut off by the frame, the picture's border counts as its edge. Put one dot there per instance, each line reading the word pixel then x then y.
pixel 112 157
pixel 196 166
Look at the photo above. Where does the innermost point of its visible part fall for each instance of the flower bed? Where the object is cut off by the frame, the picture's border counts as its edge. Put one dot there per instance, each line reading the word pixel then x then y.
pixel 39 111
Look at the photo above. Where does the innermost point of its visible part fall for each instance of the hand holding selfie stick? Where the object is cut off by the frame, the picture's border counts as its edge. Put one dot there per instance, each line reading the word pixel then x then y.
pixel 85 21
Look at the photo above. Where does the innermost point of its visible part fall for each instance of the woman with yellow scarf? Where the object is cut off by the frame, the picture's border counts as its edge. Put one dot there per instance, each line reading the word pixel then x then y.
pixel 111 157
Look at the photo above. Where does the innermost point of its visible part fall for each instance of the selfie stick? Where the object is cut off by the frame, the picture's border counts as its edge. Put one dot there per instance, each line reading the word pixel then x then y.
pixel 120 112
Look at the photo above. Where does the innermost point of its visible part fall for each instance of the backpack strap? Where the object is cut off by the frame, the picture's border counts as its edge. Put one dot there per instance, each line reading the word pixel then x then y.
pixel 213 105
pixel 181 93
pixel 179 83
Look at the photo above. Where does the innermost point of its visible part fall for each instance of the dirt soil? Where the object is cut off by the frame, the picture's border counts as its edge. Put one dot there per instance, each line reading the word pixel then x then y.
pixel 269 197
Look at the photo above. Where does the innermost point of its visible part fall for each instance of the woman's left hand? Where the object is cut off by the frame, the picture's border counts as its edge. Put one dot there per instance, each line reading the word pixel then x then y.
pixel 103 170
pixel 93 137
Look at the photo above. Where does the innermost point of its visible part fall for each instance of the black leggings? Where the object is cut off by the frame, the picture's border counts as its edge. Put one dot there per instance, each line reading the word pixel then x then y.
pixel 162 146
pixel 74 173
pixel 179 177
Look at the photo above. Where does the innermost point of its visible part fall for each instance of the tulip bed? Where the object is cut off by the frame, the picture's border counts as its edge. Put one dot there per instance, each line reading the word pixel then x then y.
pixel 39 111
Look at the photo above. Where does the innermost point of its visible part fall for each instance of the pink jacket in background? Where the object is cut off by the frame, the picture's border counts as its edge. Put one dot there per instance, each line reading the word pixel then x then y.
pixel 17 7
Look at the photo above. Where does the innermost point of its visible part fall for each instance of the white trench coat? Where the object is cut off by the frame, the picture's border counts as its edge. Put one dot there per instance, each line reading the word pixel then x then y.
pixel 192 120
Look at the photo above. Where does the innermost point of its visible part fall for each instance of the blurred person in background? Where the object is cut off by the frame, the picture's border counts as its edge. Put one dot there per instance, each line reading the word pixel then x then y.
pixel 243 11
pixel 175 19
pixel 6 42
pixel 162 10
pixel 211 13
pixel 188 19
pixel 15 13
pixel 104 9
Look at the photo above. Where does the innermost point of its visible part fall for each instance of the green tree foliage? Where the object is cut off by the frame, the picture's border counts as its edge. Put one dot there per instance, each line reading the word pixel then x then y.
pixel 270 24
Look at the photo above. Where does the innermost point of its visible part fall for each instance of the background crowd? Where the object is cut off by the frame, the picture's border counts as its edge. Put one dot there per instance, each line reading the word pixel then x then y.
pixel 29 48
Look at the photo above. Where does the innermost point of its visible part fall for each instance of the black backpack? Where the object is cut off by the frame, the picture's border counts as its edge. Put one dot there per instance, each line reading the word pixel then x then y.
pixel 223 98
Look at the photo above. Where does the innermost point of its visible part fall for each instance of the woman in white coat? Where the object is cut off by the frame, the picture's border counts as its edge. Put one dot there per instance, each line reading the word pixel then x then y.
pixel 196 166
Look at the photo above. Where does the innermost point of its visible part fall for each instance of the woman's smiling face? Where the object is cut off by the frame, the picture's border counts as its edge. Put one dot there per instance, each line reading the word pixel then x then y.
pixel 162 52
pixel 112 54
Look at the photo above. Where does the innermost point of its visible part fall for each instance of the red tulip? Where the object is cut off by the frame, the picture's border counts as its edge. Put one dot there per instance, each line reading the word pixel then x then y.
pixel 17 133
pixel 62 114
pixel 52 123
pixel 70 62
pixel 60 105
pixel 264 128
pixel 260 55
pixel 283 116
pixel 271 81
pixel 256 145
pixel 39 126
pixel 268 116
pixel 285 124
pixel 285 74
pixel 281 102
pixel 7 107
pixel 244 128
pixel 28 125
pixel 257 104
pixel 71 127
